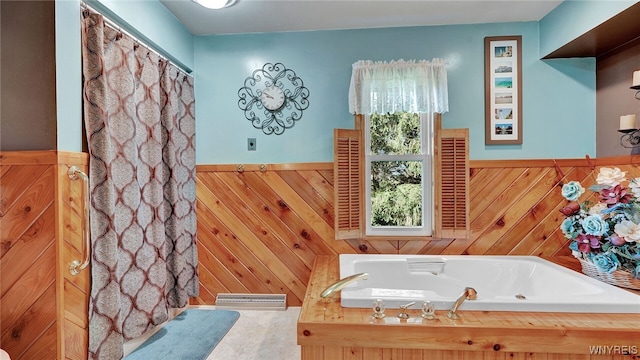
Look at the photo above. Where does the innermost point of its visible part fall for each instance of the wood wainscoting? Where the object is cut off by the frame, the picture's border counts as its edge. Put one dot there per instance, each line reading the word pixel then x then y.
pixel 44 309
pixel 260 227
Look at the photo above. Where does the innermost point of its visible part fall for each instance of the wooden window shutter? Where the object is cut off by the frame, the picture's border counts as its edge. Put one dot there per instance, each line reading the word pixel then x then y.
pixel 451 172
pixel 348 188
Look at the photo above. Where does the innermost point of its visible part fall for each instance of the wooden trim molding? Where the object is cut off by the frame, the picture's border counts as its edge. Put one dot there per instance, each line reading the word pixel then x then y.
pixel 43 157
pixel 545 163
pixel 264 167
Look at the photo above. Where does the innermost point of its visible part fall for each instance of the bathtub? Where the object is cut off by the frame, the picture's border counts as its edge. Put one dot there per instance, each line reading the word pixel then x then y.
pixel 503 283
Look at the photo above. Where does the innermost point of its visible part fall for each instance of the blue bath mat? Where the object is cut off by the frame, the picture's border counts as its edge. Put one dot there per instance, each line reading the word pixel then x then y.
pixel 192 335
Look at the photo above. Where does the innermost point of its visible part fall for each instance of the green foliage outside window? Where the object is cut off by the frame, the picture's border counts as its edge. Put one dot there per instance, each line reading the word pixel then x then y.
pixel 396 185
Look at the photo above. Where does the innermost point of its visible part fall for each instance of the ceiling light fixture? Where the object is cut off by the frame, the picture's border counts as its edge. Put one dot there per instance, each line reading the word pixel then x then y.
pixel 215 4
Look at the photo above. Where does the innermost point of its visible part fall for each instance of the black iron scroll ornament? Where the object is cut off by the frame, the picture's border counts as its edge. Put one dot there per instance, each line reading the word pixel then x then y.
pixel 275 78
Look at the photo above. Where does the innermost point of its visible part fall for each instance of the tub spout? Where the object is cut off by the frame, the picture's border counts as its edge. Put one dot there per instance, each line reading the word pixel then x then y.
pixel 338 285
pixel 468 293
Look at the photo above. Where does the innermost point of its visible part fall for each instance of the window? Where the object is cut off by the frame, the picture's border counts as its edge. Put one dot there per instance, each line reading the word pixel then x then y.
pixel 398 174
pixel 450 205
pixel 385 169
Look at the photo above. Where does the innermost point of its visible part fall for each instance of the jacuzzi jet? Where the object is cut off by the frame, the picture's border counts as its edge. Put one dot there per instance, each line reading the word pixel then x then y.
pixel 521 297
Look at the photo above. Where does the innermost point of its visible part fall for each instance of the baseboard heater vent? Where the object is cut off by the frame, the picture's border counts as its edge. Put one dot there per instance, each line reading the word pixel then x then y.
pixel 252 301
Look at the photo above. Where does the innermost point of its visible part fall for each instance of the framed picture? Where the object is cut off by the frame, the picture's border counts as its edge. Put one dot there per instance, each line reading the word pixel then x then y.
pixel 503 89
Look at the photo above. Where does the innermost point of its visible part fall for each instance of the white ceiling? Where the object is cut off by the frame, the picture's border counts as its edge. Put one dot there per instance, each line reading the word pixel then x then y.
pixel 255 16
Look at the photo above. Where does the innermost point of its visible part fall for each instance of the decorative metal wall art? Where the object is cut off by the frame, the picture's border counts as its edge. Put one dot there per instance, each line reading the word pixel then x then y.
pixel 273 98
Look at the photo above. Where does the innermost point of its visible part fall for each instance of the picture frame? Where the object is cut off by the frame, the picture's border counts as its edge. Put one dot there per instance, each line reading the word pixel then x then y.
pixel 503 90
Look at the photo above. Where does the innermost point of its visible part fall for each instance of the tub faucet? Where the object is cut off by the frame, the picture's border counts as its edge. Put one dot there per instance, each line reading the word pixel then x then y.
pixel 468 293
pixel 338 285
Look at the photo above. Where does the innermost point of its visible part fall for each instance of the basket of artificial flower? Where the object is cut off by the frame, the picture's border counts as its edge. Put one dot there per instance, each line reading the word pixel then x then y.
pixel 605 234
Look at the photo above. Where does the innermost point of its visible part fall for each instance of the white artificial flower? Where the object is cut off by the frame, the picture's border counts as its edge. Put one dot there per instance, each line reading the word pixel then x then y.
pixel 628 230
pixel 597 209
pixel 610 177
pixel 634 186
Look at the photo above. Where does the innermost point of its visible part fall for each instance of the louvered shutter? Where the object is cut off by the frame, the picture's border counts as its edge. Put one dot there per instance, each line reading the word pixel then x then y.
pixel 347 170
pixel 451 182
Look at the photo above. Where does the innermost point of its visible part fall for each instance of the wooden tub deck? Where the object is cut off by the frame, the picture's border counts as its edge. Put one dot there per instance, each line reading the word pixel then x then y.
pixel 327 331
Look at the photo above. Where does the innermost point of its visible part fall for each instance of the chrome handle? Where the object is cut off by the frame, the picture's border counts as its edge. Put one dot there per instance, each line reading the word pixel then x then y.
pixel 77 266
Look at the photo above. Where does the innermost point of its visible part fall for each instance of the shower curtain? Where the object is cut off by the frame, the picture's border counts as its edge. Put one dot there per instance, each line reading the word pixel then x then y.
pixel 140 126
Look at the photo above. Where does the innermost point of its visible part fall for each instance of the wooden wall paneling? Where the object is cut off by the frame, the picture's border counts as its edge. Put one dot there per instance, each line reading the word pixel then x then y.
pixel 23 252
pixel 511 189
pixel 513 204
pixel 28 308
pixel 15 180
pixel 372 246
pixel 76 304
pixel 74 290
pixel 433 247
pixel 534 226
pixel 314 352
pixel 484 192
pixel 295 203
pixel 277 245
pixel 276 212
pixel 254 228
pixel 34 323
pixel 415 246
pixel 281 240
pixel 41 233
pixel 251 240
pixel 219 235
pixel 75 341
pixel 232 281
pixel 523 201
pixel 213 248
pixel 545 238
pixel 372 354
pixel 313 190
pixel 26 209
pixel 209 286
pixel 27 260
pixel 43 347
pixel 337 353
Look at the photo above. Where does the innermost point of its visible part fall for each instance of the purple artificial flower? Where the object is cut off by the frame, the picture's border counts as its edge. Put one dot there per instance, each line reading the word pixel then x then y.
pixel 587 242
pixel 613 195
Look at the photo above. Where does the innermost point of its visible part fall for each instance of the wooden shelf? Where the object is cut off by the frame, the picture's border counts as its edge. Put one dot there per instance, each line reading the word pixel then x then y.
pixel 611 34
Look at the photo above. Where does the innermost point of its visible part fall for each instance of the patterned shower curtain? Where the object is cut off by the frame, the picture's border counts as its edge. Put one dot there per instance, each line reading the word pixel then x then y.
pixel 140 126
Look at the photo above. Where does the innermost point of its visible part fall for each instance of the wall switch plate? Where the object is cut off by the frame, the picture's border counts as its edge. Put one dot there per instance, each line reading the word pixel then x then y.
pixel 251 144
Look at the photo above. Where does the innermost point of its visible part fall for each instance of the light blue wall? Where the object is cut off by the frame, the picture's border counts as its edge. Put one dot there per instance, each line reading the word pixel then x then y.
pixel 68 75
pixel 148 20
pixel 573 18
pixel 558 96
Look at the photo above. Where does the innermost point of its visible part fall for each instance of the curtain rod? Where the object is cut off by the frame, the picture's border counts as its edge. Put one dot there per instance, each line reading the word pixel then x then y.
pixel 140 38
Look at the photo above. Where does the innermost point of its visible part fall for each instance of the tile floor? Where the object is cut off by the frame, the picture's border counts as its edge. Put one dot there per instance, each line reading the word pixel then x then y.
pixel 273 335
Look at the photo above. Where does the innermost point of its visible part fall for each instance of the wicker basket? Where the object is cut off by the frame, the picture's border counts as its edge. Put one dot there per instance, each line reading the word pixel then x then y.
pixel 618 278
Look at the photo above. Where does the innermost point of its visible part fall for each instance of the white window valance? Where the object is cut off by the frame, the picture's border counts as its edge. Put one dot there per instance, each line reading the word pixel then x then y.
pixel 387 87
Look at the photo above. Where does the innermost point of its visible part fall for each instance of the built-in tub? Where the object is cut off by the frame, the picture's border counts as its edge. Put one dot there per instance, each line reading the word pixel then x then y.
pixel 503 283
